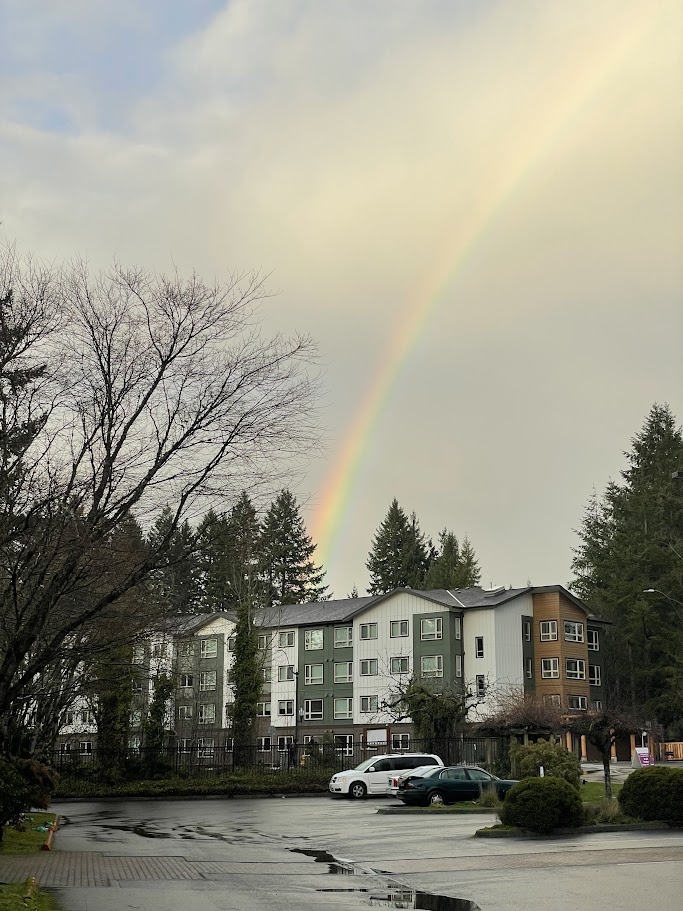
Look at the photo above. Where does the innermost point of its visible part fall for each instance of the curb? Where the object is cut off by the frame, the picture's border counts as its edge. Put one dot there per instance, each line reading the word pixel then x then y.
pixel 580 830
pixel 447 811
pixel 120 798
pixel 31 889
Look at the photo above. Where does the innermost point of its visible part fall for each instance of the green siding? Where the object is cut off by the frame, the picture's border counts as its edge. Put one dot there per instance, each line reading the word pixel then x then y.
pixel 448 646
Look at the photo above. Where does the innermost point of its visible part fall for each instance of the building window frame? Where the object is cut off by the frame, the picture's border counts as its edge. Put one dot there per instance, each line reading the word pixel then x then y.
pixel 481 684
pixel 345 640
pixel 548 630
pixel 403 665
pixel 575 673
pixel 311 677
pixel 369 704
pixel 285 673
pixel 207 681
pixel 264 709
pixel 314 640
pixel 208 648
pixel 577 703
pixel 285 708
pixel 206 713
pixel 369 667
pixel 347 675
pixel 458 665
pixel 436 670
pixel 345 713
pixel 313 709
pixel 550 668
pixel 428 634
pixel 399 629
pixel 285 638
pixel 367 631
pixel 573 631
pixel 593 639
pixel 478 646
pixel 594 675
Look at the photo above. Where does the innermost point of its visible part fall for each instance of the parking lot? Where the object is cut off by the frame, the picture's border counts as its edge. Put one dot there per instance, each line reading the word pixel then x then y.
pixel 311 853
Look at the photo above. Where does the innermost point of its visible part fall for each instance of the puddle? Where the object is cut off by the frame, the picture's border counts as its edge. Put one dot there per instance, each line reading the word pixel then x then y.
pixel 389 897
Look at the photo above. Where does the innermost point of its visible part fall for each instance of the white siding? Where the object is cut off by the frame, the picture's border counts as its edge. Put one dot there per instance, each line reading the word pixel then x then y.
pixel 283 655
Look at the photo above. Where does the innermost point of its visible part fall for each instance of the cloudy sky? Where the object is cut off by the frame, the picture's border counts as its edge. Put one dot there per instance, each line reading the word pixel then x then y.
pixel 474 206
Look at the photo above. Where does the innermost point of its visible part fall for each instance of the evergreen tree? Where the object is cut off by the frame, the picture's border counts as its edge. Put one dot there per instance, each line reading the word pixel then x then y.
pixel 246 680
pixel 631 541
pixel 213 562
pixel 353 593
pixel 286 556
pixel 443 569
pixel 469 573
pixel 245 583
pixel 177 578
pixel 399 556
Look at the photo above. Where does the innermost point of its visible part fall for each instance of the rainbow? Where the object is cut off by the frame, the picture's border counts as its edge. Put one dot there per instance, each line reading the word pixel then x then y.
pixel 564 101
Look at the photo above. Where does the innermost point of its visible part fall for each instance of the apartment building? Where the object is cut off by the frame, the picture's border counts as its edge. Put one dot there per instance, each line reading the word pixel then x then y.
pixel 336 667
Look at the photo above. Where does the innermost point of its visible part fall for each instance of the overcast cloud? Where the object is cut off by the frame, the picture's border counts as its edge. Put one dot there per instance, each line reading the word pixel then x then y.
pixel 343 146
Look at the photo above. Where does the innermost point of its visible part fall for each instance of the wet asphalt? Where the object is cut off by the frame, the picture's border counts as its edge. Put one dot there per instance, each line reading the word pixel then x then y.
pixel 278 854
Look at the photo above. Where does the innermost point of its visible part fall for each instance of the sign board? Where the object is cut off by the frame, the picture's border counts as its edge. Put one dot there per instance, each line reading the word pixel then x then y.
pixel 641 758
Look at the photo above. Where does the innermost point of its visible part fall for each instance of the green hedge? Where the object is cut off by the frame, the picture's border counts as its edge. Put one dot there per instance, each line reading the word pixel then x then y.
pixel 654 794
pixel 236 784
pixel 541 805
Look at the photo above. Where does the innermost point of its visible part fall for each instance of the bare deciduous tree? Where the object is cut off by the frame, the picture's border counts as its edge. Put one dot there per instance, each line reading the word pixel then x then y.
pixel 122 392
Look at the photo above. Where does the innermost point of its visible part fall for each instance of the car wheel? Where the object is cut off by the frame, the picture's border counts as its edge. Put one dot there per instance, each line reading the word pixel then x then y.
pixel 436 799
pixel 357 790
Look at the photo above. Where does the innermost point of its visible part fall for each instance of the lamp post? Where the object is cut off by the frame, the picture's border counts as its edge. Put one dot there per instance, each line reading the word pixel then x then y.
pixel 672 601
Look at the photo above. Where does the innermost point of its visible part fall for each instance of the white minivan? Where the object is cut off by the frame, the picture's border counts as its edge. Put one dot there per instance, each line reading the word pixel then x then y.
pixel 370 777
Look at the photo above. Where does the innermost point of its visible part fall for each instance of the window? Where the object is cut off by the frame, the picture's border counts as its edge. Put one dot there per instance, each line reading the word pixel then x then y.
pixel 285 707
pixel 578 703
pixel 87 717
pixel 231 644
pixel 481 685
pixel 573 632
pixel 264 744
pixel 548 630
pixel 207 680
pixel 285 672
pixel 136 688
pixel 457 622
pixel 594 674
pixel 69 718
pixel 267 673
pixel 343 744
pixel 136 718
pixel 343 708
pixel 554 699
pixel 529 667
pixel 398 629
pixel 343 672
pixel 431 628
pixel 479 646
pixel 368 667
pixel 368 703
pixel 283 742
pixel 575 669
pixel 400 741
pixel 206 714
pixel 432 665
pixel 343 636
pixel 209 648
pixel 186 649
pixel 550 667
pixel 138 654
pixel 527 630
pixel 263 709
pixel 85 746
pixel 593 640
pixel 157 650
pixel 598 705
pixel 458 665
pixel 286 639
pixel 184 712
pixel 399 665
pixel 205 747
pixel 313 674
pixel 368 630
pixel 262 643
pixel 313 709
pixel 185 745
pixel 313 640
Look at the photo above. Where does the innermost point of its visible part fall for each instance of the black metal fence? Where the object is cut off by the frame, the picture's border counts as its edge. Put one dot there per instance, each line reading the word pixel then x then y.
pixel 207 761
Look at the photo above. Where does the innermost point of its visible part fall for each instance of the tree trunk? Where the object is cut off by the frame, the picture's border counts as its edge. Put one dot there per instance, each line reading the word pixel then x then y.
pixel 607 768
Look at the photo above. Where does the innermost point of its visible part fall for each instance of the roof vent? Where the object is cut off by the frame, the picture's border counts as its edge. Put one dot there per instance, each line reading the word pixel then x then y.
pixel 494 590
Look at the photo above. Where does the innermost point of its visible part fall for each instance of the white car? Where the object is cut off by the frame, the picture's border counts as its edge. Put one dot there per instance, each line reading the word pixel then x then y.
pixel 393 780
pixel 370 777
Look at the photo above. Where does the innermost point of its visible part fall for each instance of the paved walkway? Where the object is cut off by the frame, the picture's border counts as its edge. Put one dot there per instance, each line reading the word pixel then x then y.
pixel 80 868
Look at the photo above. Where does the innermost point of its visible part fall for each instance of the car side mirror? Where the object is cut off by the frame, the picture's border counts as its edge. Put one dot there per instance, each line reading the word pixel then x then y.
pixel 371 769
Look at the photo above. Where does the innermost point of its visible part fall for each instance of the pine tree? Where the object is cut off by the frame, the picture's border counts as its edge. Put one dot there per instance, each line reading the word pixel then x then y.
pixel 244 541
pixel 246 679
pixel 213 562
pixel 469 573
pixel 286 556
pixel 631 541
pixel 443 569
pixel 399 556
pixel 177 578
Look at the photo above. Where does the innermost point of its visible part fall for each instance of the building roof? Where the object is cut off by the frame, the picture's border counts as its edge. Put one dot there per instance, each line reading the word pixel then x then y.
pixel 315 612
pixel 192 623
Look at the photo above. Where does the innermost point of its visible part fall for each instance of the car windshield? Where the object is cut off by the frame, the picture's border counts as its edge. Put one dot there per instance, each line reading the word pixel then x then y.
pixel 365 764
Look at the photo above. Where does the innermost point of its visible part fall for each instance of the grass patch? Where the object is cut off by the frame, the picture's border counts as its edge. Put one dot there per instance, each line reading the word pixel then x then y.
pixel 29 841
pixel 11 899
pixel 594 791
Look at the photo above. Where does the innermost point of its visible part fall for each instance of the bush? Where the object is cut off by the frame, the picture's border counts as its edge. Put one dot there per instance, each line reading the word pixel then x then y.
pixel 654 794
pixel 605 811
pixel 541 805
pixel 557 761
pixel 24 783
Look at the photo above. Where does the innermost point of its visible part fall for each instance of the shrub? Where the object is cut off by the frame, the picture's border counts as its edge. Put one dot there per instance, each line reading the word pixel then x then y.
pixel 654 794
pixel 24 783
pixel 605 811
pixel 557 761
pixel 541 805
